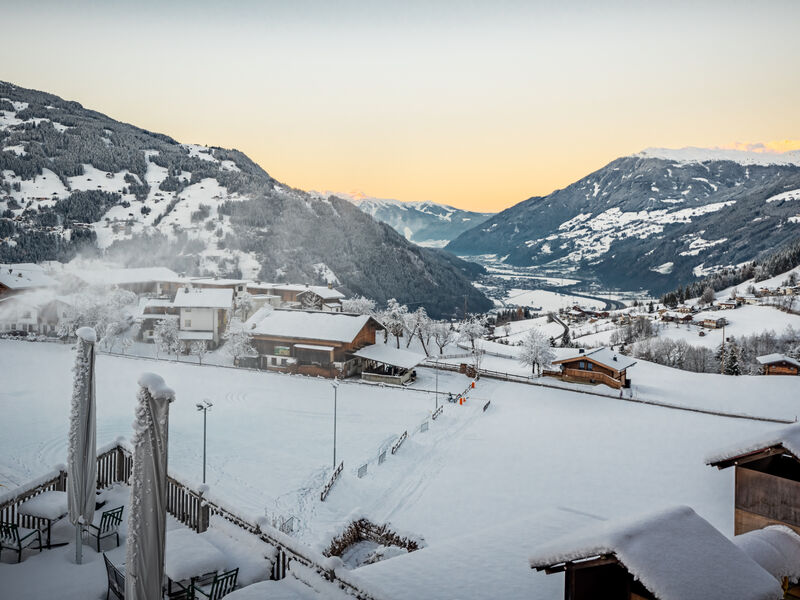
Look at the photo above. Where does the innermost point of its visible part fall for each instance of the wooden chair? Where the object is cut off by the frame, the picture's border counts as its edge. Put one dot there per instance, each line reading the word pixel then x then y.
pixel 108 526
pixel 116 580
pixel 185 593
pixel 219 586
pixel 14 537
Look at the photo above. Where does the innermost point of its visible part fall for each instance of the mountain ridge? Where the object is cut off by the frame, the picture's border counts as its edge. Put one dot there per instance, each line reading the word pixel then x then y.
pixel 73 180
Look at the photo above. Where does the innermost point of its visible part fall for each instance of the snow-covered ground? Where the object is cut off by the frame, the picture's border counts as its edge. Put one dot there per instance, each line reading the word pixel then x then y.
pixel 547 300
pixel 483 488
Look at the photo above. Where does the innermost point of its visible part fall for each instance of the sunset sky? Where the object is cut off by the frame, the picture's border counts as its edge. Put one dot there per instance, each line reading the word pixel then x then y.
pixel 475 104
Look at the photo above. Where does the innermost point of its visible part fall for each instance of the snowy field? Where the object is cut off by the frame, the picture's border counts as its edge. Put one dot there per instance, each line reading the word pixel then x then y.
pixel 548 301
pixel 743 321
pixel 483 488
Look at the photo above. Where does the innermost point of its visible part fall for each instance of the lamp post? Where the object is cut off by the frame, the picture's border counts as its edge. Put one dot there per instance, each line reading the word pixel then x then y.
pixel 205 407
pixel 335 386
pixel 437 382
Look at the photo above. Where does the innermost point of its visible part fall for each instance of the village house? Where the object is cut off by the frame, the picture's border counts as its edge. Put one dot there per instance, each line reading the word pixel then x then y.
pixel 35 312
pixel 23 277
pixel 204 313
pixel 237 286
pixel 151 311
pixel 684 308
pixel 676 317
pixel 748 299
pixel 293 295
pixel 311 342
pixel 766 479
pixel 156 281
pixel 713 322
pixel 672 554
pixel 601 365
pixel 727 304
pixel 778 364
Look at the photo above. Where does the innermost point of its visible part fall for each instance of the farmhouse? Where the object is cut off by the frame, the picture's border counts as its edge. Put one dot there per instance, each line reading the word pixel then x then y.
pixel 767 479
pixel 778 364
pixel 151 311
pixel 23 277
pixel 676 317
pixel 727 304
pixel 204 313
pixel 237 286
pixel 602 365
pixel 673 554
pixel 33 312
pixel 311 342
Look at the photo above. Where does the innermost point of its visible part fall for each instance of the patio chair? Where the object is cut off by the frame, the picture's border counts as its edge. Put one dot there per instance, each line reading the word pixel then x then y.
pixel 108 526
pixel 14 537
pixel 217 587
pixel 116 580
pixel 185 593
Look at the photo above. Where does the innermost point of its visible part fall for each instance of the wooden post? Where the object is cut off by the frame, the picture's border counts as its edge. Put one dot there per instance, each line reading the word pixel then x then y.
pixel 119 475
pixel 203 516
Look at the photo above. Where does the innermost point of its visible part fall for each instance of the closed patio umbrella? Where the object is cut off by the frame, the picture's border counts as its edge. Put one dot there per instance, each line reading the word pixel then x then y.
pixel 82 457
pixel 147 517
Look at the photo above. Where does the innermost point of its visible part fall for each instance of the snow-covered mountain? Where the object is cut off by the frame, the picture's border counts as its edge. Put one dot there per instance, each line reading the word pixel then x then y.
pixel 652 220
pixel 73 180
pixel 424 223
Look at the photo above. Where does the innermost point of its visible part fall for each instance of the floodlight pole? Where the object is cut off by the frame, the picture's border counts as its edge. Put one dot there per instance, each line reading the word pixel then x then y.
pixel 335 385
pixel 437 382
pixel 205 408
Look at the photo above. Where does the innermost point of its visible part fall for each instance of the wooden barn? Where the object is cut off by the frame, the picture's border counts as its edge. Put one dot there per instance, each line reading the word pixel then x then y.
pixel 311 342
pixel 766 479
pixel 310 297
pixel 673 554
pixel 778 364
pixel 601 365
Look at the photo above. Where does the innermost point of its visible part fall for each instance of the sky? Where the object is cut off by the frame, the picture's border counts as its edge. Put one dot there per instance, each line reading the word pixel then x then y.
pixel 475 104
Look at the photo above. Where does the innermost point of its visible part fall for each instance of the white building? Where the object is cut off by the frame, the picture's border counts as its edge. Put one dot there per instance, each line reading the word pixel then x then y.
pixel 23 277
pixel 204 313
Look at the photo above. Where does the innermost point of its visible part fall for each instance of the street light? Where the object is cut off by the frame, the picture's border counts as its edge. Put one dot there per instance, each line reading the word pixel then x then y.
pixel 205 407
pixel 437 382
pixel 335 386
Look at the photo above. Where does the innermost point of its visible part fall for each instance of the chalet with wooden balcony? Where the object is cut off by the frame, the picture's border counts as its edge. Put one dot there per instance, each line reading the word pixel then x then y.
pixel 311 342
pixel 766 479
pixel 601 365
pixel 778 364
pixel 673 554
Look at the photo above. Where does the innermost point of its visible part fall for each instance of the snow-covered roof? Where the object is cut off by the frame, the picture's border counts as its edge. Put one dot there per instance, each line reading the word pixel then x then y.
pixel 776 548
pixel 768 359
pixel 307 325
pixel 605 356
pixel 674 553
pixel 203 298
pixel 384 353
pixel 218 281
pixel 121 276
pixel 24 276
pixel 322 291
pixel 788 437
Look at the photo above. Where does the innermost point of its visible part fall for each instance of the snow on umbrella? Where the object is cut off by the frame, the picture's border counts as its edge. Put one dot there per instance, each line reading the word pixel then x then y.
pixel 147 517
pixel 82 458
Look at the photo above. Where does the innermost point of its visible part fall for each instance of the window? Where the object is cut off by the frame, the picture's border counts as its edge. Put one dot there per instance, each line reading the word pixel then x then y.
pixel 187 323
pixel 582 365
pixel 274 361
pixel 283 362
pixel 589 366
pixel 188 309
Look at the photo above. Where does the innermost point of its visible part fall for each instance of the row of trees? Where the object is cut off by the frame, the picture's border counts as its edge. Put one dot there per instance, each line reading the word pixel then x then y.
pixel 737 357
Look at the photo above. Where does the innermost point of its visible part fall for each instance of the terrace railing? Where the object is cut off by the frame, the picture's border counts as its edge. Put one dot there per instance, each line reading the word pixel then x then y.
pixel 191 507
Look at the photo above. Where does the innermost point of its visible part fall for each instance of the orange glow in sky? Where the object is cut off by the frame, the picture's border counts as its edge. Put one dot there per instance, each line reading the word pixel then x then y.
pixel 477 104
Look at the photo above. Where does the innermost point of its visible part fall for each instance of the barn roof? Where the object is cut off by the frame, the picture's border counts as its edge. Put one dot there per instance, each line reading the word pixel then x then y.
pixel 604 356
pixel 786 437
pixel 384 353
pixel 674 553
pixel 768 359
pixel 306 324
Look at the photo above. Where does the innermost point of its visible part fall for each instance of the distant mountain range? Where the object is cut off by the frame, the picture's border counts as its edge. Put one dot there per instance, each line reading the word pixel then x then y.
pixel 424 223
pixel 652 220
pixel 74 180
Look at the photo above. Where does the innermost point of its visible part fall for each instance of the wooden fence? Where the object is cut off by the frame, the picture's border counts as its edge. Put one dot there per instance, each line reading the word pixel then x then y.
pixel 399 442
pixel 327 489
